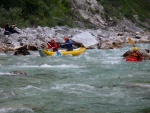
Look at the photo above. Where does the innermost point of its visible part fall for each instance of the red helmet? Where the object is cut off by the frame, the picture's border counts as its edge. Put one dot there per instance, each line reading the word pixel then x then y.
pixel 66 38
pixel 52 40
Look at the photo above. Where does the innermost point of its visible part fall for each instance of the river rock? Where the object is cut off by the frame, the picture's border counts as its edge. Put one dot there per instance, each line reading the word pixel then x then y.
pixel 112 37
pixel 22 51
pixel 86 39
pixel 19 73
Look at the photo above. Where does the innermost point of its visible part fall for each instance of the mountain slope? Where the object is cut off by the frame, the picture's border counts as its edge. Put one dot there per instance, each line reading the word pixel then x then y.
pixel 138 11
pixel 75 13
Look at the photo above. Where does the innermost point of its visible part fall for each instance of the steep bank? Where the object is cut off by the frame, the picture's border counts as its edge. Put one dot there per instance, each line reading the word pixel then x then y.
pixel 78 13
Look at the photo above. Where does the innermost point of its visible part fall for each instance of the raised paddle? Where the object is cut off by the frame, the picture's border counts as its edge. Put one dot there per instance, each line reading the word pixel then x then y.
pixel 131 42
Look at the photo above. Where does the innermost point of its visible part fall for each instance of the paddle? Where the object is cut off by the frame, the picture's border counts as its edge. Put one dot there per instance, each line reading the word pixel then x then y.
pixel 57 52
pixel 131 42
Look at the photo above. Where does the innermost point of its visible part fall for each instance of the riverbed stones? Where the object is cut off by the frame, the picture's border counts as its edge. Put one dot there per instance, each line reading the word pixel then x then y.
pixel 113 37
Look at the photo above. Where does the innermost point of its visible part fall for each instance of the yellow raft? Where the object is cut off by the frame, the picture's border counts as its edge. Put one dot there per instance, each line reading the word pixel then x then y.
pixel 75 52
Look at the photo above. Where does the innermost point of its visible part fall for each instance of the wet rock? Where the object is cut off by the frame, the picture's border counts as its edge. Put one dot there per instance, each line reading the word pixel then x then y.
pixel 148 38
pixel 18 73
pixel 22 51
pixel 120 34
pixel 33 48
pixel 23 48
pixel 141 85
pixel 138 37
pixel 116 45
pixel 127 53
pixel 147 50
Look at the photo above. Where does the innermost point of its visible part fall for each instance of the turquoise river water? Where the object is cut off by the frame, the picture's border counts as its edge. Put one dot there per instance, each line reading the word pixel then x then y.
pixel 98 81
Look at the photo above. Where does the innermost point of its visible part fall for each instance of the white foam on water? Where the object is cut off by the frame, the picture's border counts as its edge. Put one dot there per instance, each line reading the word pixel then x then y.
pixel 74 88
pixel 52 66
pixel 112 60
pixel 3 54
pixel 108 92
pixel 5 73
pixel 129 75
pixel 84 89
pixel 33 87
pixel 13 110
pixel 31 91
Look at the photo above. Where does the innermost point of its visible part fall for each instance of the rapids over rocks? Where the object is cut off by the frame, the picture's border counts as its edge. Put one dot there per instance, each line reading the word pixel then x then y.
pixel 97 81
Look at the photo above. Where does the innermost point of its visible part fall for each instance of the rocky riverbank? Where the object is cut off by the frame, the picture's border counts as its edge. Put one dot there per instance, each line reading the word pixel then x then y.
pixel 112 37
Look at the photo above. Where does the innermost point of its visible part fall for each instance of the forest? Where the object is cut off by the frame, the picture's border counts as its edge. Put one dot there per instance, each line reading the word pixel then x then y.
pixel 35 12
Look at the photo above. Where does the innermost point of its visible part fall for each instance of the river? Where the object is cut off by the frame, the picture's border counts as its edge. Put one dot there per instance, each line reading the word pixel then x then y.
pixel 98 81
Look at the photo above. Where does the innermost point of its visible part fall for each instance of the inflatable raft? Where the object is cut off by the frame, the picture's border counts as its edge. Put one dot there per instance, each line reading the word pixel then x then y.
pixel 132 60
pixel 75 52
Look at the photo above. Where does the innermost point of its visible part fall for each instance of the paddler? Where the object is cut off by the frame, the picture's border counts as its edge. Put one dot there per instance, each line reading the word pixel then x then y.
pixel 68 44
pixel 135 54
pixel 52 44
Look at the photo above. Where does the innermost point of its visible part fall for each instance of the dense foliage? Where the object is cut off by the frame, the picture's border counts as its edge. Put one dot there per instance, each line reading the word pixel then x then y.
pixel 35 12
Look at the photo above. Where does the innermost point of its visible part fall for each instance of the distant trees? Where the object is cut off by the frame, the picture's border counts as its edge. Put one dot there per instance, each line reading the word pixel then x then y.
pixel 39 12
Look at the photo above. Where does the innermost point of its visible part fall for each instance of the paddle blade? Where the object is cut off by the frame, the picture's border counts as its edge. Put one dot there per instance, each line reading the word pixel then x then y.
pixel 58 53
pixel 130 41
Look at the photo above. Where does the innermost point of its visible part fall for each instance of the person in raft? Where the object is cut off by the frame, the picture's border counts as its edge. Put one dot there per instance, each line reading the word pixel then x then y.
pixel 52 44
pixel 135 54
pixel 68 44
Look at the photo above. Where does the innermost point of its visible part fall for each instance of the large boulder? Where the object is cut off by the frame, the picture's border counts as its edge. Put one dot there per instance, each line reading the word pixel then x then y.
pixel 86 39
pixel 22 51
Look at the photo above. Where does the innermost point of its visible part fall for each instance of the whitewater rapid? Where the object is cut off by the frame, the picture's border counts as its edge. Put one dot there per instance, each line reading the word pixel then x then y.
pixel 98 81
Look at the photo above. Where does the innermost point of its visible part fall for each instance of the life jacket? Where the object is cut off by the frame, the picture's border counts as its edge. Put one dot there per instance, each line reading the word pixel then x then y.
pixel 54 46
pixel 68 44
pixel 136 55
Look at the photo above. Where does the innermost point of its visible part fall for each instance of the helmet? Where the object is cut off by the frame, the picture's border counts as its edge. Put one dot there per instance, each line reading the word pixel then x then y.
pixel 135 49
pixel 52 39
pixel 66 38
